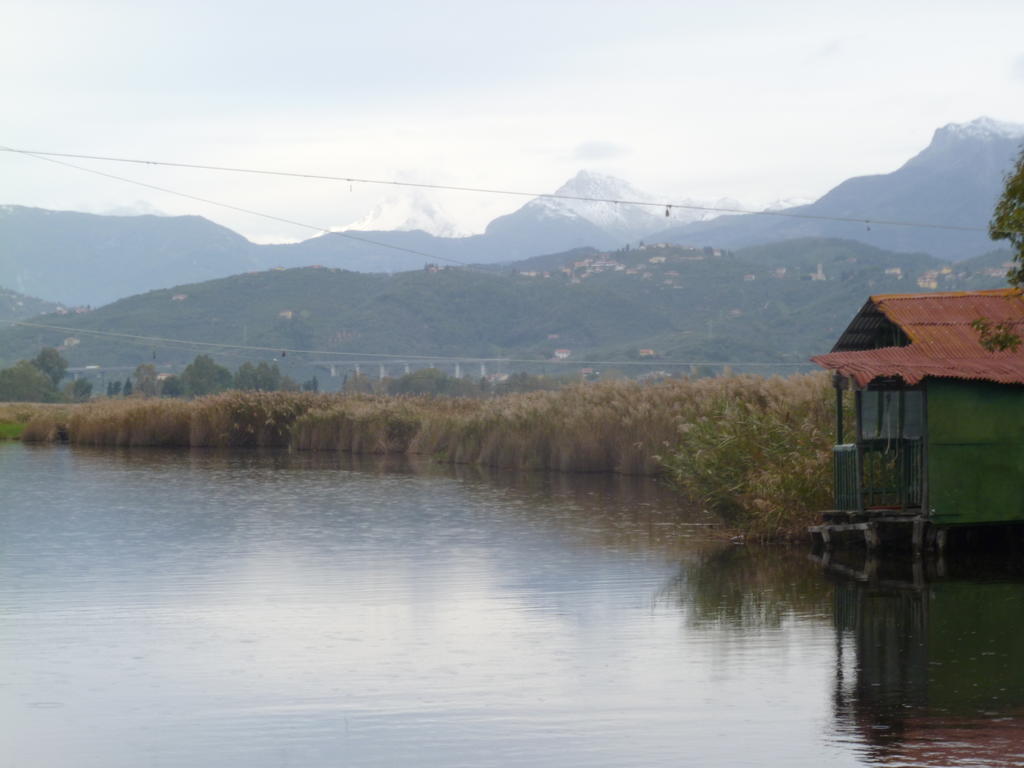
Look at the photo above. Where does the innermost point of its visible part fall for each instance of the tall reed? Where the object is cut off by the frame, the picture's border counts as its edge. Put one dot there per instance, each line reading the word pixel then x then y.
pixel 755 450
pixel 758 452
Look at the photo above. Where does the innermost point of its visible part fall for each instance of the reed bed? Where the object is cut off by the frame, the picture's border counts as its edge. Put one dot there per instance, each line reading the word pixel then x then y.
pixel 15 418
pixel 232 419
pixel 757 451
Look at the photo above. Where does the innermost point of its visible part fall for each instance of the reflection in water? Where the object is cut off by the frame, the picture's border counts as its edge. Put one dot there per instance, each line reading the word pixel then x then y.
pixel 751 587
pixel 928 669
pixel 266 609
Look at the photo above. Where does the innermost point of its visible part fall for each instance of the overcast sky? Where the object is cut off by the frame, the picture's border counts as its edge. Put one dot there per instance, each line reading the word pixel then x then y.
pixel 752 100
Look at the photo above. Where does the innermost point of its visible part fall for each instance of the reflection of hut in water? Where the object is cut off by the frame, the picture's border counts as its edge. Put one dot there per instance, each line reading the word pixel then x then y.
pixel 927 673
pixel 939 431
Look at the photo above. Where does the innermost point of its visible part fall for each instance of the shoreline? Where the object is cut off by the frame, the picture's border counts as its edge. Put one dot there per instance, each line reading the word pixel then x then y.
pixel 754 451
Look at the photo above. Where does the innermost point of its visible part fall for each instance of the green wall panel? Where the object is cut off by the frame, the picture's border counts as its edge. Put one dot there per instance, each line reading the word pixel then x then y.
pixel 975 452
pixel 975 483
pixel 975 412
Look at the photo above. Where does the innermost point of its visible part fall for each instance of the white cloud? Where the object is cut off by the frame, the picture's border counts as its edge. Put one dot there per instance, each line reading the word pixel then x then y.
pixel 589 151
pixel 740 99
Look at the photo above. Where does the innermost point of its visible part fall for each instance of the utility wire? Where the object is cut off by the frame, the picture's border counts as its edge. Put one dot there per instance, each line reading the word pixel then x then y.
pixel 667 206
pixel 383 357
pixel 240 209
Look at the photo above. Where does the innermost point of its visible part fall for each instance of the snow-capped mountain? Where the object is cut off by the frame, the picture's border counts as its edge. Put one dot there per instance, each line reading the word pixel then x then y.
pixel 619 220
pixel 605 214
pixel 786 202
pixel 955 180
pixel 983 128
pixel 408 210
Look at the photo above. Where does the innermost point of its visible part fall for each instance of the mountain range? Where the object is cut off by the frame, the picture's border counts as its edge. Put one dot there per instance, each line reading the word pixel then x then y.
pixel 656 304
pixel 78 258
pixel 954 182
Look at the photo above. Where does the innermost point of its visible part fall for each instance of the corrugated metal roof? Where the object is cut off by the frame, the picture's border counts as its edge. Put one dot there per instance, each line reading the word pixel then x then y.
pixel 942 341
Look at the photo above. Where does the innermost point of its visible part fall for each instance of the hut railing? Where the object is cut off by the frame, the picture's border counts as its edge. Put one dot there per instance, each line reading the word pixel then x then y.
pixel 879 474
pixel 846 471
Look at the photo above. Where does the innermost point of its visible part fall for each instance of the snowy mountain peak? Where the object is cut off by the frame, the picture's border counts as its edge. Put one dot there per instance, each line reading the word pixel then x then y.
pixel 592 184
pixel 619 220
pixel 983 128
pixel 407 211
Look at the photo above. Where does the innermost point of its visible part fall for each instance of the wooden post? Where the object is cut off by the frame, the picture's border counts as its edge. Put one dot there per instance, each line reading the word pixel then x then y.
pixel 837 382
pixel 917 537
pixel 871 537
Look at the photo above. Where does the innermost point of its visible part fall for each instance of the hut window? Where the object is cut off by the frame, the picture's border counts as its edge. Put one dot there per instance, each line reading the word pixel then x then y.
pixel 913 414
pixel 880 414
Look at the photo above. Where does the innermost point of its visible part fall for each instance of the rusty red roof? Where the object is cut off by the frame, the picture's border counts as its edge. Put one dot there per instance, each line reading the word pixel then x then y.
pixel 942 342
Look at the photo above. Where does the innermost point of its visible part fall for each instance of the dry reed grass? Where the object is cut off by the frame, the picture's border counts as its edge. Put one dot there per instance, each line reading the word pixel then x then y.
pixel 758 452
pixel 32 421
pixel 755 450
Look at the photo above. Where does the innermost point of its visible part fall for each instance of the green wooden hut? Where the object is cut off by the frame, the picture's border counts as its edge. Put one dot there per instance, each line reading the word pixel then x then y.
pixel 938 433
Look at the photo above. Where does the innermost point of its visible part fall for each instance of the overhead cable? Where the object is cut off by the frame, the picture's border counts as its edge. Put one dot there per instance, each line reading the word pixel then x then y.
pixel 240 209
pixel 383 357
pixel 667 206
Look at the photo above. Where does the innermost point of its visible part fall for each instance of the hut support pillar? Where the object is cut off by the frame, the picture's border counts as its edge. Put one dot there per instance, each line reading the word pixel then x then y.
pixel 917 536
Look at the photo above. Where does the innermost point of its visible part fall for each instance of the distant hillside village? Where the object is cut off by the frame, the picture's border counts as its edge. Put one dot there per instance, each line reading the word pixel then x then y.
pixel 646 267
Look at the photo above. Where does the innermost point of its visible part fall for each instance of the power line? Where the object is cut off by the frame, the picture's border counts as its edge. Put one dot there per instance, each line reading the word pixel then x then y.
pixel 667 206
pixel 240 209
pixel 194 344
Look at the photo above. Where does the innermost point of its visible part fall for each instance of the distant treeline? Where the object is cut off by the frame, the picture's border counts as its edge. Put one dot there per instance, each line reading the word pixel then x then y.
pixel 755 451
pixel 39 380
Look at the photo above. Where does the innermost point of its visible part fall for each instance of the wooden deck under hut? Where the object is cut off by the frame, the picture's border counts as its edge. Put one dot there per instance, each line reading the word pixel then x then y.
pixel 938 435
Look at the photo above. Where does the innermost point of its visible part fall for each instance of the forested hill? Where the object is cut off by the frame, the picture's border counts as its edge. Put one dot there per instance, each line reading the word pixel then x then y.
pixel 17 306
pixel 769 303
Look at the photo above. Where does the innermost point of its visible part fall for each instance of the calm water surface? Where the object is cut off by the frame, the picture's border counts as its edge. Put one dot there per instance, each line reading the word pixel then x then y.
pixel 246 609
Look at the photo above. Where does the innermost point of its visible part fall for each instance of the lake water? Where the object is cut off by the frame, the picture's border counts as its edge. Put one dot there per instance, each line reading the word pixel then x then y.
pixel 195 608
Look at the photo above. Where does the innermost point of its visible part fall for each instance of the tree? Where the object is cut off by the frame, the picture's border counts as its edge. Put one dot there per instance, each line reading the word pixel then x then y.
pixel 263 377
pixel 204 377
pixel 24 382
pixel 145 379
pixel 126 390
pixel 79 390
pixel 431 381
pixel 50 362
pixel 1007 224
pixel 171 387
pixel 311 385
pixel 1008 220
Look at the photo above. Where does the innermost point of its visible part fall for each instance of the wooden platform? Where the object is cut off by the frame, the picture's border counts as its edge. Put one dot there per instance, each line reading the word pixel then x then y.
pixel 877 529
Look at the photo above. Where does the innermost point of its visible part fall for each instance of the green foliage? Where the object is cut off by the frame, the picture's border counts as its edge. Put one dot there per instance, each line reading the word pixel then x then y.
pixel 1008 219
pixel 145 380
pixel 525 382
pixel 1007 224
pixel 705 311
pixel 11 430
pixel 17 306
pixel 204 377
pixel 50 362
pixel 172 387
pixel 78 391
pixel 260 378
pixel 24 382
pixel 127 389
pixel 996 337
pixel 757 451
pixel 431 381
